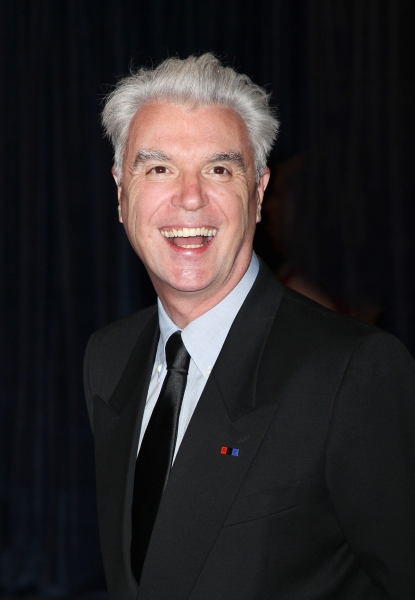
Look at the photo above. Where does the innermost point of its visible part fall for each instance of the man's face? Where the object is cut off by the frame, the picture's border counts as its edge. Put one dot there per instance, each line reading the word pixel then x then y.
pixel 189 201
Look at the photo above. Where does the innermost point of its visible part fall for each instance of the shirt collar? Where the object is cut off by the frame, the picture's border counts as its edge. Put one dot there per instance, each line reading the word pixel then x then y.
pixel 204 337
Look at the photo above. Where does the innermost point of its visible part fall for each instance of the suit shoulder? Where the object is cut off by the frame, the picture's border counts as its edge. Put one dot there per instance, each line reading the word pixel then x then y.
pixel 123 331
pixel 325 346
pixel 305 320
pixel 114 342
pixel 109 349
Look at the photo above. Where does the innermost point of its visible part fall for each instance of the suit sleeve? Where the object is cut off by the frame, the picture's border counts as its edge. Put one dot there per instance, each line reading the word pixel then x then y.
pixel 371 462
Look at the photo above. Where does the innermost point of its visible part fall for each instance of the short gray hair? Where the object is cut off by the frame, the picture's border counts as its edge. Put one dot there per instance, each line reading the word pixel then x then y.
pixel 196 81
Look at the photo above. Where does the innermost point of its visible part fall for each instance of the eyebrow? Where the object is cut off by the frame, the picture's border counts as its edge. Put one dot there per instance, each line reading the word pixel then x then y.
pixel 233 157
pixel 144 156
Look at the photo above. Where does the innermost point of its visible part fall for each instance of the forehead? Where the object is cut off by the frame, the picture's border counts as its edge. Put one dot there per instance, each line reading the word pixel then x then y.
pixel 176 127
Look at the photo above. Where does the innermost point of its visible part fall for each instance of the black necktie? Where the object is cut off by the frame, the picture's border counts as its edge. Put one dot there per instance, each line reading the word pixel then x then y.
pixel 155 457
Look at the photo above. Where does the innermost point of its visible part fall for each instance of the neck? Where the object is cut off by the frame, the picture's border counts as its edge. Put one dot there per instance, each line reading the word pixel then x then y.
pixel 184 307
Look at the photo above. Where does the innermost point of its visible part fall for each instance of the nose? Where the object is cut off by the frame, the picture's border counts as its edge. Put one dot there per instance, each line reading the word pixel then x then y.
pixel 190 194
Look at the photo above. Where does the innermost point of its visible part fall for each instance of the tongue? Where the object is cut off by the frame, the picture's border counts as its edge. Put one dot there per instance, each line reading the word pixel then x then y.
pixel 195 240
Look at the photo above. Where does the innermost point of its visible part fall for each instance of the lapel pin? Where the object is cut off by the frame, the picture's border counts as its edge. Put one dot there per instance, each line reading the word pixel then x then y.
pixel 229 451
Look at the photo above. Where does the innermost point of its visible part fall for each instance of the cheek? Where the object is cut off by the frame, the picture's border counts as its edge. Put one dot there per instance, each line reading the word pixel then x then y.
pixel 240 213
pixel 233 205
pixel 143 203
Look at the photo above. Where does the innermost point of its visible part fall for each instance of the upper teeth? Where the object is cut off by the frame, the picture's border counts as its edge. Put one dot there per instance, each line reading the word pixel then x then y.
pixel 189 232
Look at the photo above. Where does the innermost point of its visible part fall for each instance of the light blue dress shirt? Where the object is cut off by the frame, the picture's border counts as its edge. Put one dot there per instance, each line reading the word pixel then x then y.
pixel 203 339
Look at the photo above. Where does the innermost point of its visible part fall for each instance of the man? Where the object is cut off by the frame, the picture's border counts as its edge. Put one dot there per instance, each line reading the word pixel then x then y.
pixel 250 444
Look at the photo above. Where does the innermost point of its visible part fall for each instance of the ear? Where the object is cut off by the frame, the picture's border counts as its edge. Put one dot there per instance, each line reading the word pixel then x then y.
pixel 261 187
pixel 119 193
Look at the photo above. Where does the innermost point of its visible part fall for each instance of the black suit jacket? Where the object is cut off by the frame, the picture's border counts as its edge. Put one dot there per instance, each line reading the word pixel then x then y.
pixel 318 504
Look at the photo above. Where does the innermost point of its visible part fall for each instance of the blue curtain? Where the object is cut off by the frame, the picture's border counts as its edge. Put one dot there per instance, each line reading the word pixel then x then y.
pixel 340 73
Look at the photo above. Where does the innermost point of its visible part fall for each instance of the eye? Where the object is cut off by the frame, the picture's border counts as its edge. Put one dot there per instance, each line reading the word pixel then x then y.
pixel 159 169
pixel 220 170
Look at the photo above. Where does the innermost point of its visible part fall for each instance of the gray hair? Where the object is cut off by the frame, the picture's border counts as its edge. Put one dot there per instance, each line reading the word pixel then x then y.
pixel 197 81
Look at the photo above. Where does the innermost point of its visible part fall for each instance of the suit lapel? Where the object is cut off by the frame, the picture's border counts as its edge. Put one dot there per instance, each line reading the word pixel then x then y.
pixel 203 482
pixel 117 428
pixel 136 369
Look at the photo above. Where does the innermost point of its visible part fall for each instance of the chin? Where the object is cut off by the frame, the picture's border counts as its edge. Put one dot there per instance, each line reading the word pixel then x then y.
pixel 190 282
pixel 189 286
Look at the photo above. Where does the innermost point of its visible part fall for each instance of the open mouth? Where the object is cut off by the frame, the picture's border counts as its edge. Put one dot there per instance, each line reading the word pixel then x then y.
pixel 193 237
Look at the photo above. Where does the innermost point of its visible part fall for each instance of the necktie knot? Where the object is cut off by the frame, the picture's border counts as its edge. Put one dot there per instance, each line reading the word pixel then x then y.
pixel 177 357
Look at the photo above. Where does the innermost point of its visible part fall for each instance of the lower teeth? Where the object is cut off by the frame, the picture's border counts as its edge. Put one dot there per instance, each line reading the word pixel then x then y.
pixel 190 245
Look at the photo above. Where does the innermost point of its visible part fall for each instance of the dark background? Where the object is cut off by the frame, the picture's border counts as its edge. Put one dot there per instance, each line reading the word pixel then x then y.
pixel 341 76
